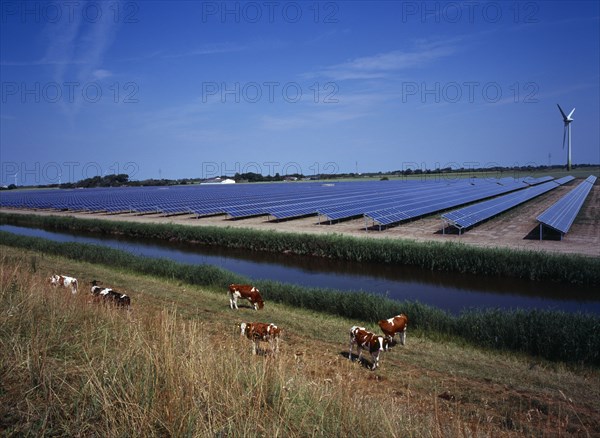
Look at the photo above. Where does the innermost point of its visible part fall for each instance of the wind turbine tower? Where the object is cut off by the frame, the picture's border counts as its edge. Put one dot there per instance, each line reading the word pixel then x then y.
pixel 567 121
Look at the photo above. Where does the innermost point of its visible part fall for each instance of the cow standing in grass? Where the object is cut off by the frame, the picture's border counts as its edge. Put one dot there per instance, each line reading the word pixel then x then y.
pixel 397 324
pixel 261 331
pixel 368 341
pixel 65 281
pixel 247 292
pixel 108 295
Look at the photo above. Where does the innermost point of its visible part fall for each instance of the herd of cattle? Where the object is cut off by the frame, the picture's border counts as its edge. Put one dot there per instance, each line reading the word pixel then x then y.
pixel 264 332
pixel 359 336
pixel 99 293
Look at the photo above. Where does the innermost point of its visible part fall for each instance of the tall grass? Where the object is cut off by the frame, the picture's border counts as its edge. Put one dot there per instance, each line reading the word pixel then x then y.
pixel 68 368
pixel 552 335
pixel 447 256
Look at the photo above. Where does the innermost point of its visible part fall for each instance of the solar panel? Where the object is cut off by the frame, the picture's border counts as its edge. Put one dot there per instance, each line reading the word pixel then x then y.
pixel 561 215
pixel 385 201
pixel 399 199
pixel 477 213
pixel 564 180
pixel 534 181
pixel 452 197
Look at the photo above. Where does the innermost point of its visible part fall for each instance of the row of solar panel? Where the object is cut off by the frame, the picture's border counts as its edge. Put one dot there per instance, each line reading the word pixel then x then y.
pixel 482 211
pixel 425 197
pixel 561 215
pixel 420 206
pixel 198 198
pixel 385 202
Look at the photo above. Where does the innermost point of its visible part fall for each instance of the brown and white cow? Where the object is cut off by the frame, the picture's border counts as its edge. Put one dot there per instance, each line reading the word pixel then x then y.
pixel 65 281
pixel 368 341
pixel 397 324
pixel 247 292
pixel 261 331
pixel 108 295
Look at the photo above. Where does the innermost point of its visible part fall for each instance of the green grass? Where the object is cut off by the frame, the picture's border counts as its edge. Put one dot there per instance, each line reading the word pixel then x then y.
pixel 174 366
pixel 552 335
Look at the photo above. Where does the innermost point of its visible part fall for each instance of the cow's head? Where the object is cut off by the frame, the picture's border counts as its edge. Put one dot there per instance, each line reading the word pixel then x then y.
pixel 404 318
pixel 54 280
pixel 243 327
pixel 259 304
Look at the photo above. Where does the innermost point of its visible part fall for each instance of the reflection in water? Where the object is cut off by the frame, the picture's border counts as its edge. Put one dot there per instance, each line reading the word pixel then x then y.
pixel 449 291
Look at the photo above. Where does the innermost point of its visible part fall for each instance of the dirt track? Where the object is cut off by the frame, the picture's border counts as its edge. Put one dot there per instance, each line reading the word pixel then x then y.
pixel 516 228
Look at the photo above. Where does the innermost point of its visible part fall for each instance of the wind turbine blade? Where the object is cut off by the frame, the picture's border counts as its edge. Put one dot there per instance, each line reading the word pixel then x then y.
pixel 561 111
pixel 564 135
pixel 571 113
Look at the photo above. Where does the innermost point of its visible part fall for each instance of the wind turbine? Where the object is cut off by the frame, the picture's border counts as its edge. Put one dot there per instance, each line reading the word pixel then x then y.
pixel 567 120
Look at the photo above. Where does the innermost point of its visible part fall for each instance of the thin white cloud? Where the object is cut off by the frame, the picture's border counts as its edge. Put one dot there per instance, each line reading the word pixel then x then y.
pixel 347 107
pixel 101 74
pixel 385 64
pixel 39 62
pixel 76 52
pixel 207 50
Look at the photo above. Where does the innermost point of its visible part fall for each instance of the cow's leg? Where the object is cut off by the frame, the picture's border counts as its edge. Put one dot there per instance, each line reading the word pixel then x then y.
pixel 359 352
pixel 274 343
pixel 350 353
pixel 254 347
pixel 375 359
pixel 403 337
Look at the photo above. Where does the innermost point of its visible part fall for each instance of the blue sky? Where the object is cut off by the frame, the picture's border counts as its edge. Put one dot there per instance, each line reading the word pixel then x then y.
pixel 195 89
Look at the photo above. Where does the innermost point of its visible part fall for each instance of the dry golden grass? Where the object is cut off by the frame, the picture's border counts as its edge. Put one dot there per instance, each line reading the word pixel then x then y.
pixel 174 366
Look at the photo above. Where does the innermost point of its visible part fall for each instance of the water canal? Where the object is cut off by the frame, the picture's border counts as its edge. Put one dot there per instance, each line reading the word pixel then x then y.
pixel 449 291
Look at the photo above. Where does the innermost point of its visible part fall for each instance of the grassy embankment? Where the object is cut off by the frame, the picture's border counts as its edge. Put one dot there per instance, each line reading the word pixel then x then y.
pixel 174 366
pixel 447 256
pixel 552 335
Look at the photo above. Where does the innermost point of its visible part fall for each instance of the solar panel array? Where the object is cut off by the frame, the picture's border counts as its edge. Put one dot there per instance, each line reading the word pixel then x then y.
pixel 385 202
pixel 477 213
pixel 419 204
pixel 561 215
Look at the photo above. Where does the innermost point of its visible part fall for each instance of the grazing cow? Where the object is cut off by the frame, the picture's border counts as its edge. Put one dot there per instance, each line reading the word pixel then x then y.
pixel 394 325
pixel 109 295
pixel 261 331
pixel 64 281
pixel 369 341
pixel 247 292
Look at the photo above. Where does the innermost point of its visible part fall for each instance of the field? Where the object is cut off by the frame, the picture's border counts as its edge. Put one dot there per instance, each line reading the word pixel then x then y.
pixel 515 229
pixel 174 365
